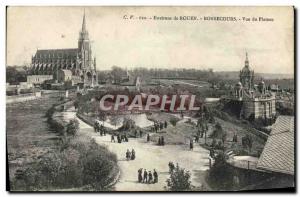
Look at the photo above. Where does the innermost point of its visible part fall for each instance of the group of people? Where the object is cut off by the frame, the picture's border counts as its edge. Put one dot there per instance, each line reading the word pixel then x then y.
pixel 120 138
pixel 99 128
pixel 147 177
pixel 130 155
pixel 161 141
pixel 159 126
pixel 138 133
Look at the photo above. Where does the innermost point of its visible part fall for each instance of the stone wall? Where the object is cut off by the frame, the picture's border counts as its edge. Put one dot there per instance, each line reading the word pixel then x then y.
pixel 23 97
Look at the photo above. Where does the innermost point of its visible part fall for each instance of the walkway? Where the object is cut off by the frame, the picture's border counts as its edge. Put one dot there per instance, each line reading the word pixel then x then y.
pixel 149 156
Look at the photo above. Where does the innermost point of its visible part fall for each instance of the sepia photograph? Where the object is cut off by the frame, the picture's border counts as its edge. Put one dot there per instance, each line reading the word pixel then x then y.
pixel 150 98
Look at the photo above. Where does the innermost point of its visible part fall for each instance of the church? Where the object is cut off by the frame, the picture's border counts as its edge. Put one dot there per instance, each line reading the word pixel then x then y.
pixel 255 100
pixel 77 63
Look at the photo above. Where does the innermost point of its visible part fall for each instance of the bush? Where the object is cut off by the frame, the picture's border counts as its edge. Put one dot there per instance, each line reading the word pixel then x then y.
pixel 179 180
pixel 57 126
pixel 247 142
pixel 218 132
pixel 82 163
pixel 173 121
pixel 50 112
pixel 96 169
pixel 72 127
pixel 78 162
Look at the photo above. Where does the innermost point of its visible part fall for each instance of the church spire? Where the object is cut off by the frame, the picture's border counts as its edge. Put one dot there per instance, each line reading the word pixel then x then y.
pixel 83 22
pixel 247 61
pixel 84 35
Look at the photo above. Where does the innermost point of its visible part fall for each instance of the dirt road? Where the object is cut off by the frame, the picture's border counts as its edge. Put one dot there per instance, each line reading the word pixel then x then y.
pixel 149 156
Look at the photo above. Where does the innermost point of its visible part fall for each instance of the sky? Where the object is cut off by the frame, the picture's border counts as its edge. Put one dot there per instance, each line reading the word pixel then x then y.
pixel 219 45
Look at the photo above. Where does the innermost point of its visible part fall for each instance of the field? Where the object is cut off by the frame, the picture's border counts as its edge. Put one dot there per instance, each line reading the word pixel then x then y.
pixel 27 132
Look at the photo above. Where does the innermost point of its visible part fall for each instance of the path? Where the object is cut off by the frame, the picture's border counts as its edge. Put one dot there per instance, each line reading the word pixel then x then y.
pixel 149 156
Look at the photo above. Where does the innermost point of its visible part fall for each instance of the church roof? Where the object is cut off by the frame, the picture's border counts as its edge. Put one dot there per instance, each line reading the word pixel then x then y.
pixel 246 69
pixel 50 53
pixel 238 84
pixel 278 154
pixel 68 72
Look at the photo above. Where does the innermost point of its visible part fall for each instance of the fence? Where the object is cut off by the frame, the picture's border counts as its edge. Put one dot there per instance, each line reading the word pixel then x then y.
pixel 23 97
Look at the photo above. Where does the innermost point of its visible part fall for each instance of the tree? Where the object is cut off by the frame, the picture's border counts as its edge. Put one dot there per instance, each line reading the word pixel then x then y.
pixel 101 115
pixel 115 119
pixel 218 131
pixel 15 75
pixel 128 124
pixel 179 180
pixel 72 127
pixel 117 74
pixel 224 137
pixel 247 142
pixel 202 125
pixel 221 174
pixel 214 143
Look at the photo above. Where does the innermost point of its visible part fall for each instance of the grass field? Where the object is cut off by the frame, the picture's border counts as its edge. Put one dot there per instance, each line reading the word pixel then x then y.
pixel 27 132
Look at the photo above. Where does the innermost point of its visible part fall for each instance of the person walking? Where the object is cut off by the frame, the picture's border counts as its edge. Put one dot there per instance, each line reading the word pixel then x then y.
pixel 95 126
pixel 119 138
pixel 128 155
pixel 159 141
pixel 112 138
pixel 148 137
pixel 135 133
pixel 140 176
pixel 191 144
pixel 155 175
pixel 150 177
pixel 133 154
pixel 100 128
pixel 162 140
pixel 104 130
pixel 212 153
pixel 145 179
pixel 141 133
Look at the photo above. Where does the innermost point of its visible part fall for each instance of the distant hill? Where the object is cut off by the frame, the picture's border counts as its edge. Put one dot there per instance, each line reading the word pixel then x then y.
pixel 235 75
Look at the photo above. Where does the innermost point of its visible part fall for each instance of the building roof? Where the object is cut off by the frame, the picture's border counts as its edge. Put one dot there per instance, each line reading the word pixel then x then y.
pixel 278 154
pixel 66 72
pixel 50 53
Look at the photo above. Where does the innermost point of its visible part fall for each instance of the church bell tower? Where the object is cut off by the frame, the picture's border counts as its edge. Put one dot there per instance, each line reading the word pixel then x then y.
pixel 87 63
pixel 84 46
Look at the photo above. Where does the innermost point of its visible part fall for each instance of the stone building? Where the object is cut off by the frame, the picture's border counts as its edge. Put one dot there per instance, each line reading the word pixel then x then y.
pixel 78 61
pixel 247 75
pixel 255 100
pixel 38 79
pixel 64 75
